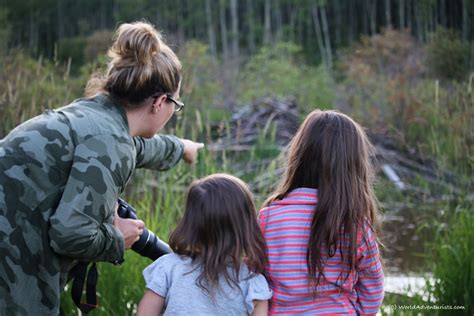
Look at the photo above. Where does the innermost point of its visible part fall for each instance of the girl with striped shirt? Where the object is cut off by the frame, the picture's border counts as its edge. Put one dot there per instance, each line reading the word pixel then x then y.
pixel 321 223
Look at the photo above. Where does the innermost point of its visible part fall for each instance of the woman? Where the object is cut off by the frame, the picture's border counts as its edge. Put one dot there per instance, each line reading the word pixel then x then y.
pixel 62 172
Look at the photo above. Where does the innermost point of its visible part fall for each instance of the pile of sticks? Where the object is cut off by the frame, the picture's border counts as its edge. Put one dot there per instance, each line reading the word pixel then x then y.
pixel 271 119
pixel 272 122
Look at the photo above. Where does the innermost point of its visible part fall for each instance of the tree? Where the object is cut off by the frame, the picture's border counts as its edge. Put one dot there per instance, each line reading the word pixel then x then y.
pixel 210 29
pixel 235 28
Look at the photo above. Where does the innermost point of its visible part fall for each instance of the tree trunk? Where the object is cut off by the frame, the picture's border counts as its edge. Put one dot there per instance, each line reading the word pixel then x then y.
pixel 327 42
pixel 338 23
pixel 409 15
pixel 442 11
pixel 278 21
pixel 352 22
pixel 235 28
pixel 60 17
pixel 181 17
pixel 210 30
pixel 222 22
pixel 33 33
pixel 418 21
pixel 365 18
pixel 103 15
pixel 388 14
pixel 401 13
pixel 251 27
pixel 303 23
pixel 267 35
pixel 372 15
pixel 465 21
pixel 293 27
pixel 319 35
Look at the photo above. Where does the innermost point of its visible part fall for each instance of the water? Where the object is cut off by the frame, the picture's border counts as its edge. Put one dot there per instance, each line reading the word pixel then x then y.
pixel 407 234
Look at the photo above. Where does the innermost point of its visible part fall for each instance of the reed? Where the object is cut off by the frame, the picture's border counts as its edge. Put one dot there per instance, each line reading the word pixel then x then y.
pixel 453 261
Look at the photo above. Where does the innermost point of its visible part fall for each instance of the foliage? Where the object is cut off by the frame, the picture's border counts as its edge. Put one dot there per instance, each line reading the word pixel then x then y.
pixel 448 55
pixel 96 44
pixel 28 87
pixel 375 67
pixel 386 88
pixel 201 87
pixel 72 48
pixel 5 29
pixel 453 261
pixel 277 71
pixel 38 25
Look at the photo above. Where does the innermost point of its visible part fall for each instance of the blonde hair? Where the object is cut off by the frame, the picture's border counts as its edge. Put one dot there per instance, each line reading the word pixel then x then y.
pixel 140 65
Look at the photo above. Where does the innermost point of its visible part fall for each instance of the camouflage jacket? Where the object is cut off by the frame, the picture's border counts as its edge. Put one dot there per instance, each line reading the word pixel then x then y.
pixel 60 175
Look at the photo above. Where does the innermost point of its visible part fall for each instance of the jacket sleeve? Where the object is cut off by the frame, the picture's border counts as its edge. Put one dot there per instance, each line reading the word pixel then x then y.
pixel 160 152
pixel 369 287
pixel 81 226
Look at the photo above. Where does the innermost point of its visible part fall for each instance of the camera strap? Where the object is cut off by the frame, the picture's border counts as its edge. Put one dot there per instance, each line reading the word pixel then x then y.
pixel 79 274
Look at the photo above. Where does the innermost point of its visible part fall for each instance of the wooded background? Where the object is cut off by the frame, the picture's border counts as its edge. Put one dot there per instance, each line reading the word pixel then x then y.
pixel 231 28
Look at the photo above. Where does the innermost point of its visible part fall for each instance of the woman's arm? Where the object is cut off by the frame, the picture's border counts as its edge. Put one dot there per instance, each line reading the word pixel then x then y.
pixel 164 151
pixel 151 304
pixel 81 226
pixel 260 308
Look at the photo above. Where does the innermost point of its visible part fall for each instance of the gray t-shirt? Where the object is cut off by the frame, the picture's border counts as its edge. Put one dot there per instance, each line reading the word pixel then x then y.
pixel 170 277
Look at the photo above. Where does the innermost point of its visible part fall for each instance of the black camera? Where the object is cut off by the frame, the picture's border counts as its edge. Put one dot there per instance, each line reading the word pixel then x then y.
pixel 148 245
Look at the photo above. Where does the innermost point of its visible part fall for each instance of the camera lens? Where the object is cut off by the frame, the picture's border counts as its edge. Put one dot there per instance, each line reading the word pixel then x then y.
pixel 148 245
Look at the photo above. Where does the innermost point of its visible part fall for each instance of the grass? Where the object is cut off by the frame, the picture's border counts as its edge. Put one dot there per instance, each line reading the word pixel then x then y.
pixel 453 264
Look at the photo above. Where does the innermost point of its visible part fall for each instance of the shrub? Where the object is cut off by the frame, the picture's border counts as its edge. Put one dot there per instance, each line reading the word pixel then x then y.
pixel 201 86
pixel 96 44
pixel 72 48
pixel 386 88
pixel 448 55
pixel 278 71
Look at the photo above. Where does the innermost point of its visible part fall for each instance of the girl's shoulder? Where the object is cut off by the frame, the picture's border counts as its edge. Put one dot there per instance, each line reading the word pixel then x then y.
pixel 168 261
pixel 255 287
pixel 249 277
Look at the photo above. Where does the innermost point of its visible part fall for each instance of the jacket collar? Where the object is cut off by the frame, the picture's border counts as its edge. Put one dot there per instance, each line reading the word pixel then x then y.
pixel 114 106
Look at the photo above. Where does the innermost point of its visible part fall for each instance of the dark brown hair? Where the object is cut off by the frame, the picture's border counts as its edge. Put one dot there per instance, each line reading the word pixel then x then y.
pixel 219 229
pixel 331 153
pixel 140 65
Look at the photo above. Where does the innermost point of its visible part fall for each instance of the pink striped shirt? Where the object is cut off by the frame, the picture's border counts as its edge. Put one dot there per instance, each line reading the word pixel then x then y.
pixel 286 227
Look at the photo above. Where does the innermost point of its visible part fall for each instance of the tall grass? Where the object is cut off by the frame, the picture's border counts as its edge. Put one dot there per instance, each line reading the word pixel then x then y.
pixel 28 87
pixel 453 262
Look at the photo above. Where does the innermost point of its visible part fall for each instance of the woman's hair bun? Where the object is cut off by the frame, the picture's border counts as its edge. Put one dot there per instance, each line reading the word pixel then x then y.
pixel 141 65
pixel 135 43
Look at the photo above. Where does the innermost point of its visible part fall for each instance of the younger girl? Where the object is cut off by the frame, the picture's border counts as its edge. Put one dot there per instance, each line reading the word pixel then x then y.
pixel 206 275
pixel 320 223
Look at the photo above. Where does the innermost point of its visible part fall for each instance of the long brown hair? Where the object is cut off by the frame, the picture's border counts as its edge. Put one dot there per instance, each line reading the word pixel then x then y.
pixel 140 65
pixel 219 229
pixel 332 153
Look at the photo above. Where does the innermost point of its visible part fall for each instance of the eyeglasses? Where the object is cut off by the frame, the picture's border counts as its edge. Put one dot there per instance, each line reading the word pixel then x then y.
pixel 178 105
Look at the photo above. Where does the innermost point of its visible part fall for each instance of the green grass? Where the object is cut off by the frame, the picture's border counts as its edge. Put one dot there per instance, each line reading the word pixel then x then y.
pixel 453 261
